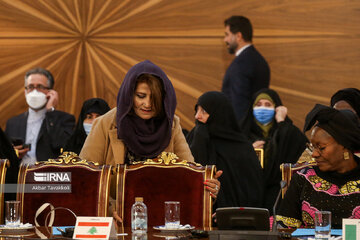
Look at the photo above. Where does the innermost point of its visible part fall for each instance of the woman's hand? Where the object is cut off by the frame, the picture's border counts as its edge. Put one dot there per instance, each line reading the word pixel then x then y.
pixel 258 144
pixel 280 113
pixel 213 185
pixel 117 217
pixel 20 151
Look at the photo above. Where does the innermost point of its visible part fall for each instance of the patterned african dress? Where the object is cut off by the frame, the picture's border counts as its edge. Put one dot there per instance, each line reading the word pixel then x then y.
pixel 312 190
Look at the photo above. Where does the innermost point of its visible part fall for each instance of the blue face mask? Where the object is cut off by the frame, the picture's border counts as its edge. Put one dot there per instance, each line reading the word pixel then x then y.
pixel 87 127
pixel 264 115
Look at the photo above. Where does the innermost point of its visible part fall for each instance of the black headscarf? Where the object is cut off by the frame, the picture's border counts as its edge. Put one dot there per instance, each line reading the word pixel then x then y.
pixel 144 138
pixel 350 95
pixel 342 125
pixel 93 105
pixel 221 122
pixel 249 125
pixel 219 141
pixel 284 144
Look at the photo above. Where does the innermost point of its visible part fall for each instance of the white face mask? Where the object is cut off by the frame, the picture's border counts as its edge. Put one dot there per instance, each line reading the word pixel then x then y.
pixel 87 127
pixel 36 100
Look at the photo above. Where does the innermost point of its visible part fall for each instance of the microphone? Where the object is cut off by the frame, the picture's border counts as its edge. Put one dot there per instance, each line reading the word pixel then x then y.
pixel 282 185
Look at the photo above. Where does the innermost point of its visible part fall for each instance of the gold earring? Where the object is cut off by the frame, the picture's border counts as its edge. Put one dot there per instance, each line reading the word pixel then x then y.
pixel 346 156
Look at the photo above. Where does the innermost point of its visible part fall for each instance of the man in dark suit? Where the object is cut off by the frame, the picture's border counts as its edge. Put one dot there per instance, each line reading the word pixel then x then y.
pixel 39 133
pixel 249 71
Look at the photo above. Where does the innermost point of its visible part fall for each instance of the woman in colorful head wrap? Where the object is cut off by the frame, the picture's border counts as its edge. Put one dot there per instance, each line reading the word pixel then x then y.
pixel 334 184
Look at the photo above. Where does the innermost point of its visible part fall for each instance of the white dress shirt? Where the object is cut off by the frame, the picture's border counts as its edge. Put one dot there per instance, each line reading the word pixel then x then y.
pixel 33 126
pixel 242 49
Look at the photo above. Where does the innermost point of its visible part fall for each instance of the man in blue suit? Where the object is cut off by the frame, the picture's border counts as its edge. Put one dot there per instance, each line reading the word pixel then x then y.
pixel 249 71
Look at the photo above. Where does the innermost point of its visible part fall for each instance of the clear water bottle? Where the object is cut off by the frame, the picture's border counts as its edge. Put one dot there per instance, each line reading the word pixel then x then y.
pixel 139 216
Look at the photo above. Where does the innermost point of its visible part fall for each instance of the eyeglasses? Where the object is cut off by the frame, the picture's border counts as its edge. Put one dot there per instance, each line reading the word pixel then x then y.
pixel 318 148
pixel 37 87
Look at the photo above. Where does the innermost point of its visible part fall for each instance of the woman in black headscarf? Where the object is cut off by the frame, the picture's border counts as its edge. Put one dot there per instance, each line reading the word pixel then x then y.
pixel 268 127
pixel 334 184
pixel 347 98
pixel 216 139
pixel 91 109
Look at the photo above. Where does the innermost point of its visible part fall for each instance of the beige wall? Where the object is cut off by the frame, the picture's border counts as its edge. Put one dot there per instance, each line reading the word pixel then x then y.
pixel 312 47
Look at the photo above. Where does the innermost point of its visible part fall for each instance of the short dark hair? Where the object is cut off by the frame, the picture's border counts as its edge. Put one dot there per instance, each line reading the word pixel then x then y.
pixel 240 24
pixel 41 71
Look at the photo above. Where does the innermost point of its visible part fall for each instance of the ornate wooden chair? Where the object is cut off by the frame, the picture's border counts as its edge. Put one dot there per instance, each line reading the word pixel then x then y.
pixel 165 178
pixel 287 169
pixel 4 163
pixel 49 182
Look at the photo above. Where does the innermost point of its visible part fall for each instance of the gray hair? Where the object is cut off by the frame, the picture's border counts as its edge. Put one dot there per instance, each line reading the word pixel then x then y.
pixel 41 71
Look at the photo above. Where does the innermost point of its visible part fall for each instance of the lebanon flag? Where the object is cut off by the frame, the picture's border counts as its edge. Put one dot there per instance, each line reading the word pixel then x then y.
pixel 92 228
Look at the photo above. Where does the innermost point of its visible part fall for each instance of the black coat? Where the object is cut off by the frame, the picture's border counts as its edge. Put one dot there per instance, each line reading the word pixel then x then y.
pixel 248 73
pixel 220 142
pixel 55 130
pixel 284 144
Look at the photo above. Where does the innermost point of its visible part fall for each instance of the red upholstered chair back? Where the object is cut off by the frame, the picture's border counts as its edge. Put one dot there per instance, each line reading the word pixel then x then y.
pixel 165 179
pixel 3 166
pixel 89 184
pixel 288 169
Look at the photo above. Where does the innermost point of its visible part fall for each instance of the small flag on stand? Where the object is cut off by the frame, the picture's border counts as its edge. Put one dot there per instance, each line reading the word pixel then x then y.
pixel 94 228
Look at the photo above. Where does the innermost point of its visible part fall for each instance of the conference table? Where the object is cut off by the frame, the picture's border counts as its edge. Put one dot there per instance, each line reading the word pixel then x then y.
pixel 123 234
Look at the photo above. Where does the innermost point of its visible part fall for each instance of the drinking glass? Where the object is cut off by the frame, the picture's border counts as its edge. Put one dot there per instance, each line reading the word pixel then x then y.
pixel 12 213
pixel 172 214
pixel 322 225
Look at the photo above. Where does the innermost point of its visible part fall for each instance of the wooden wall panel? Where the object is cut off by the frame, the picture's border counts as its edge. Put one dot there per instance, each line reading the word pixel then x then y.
pixel 312 47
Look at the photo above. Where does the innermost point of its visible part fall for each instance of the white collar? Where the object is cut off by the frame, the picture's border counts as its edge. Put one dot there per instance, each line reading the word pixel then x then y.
pixel 242 49
pixel 35 115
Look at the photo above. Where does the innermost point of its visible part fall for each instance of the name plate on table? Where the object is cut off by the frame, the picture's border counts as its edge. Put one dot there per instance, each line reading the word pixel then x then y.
pixel 242 235
pixel 351 229
pixel 94 228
